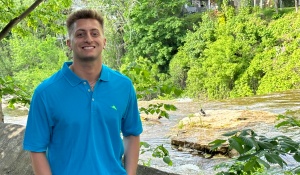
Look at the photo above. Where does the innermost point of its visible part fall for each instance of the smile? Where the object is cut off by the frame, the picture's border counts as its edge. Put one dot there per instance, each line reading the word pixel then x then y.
pixel 88 47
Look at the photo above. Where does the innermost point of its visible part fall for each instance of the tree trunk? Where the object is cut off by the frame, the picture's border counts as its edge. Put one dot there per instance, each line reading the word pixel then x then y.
pixel 296 5
pixel 276 5
pixel 1 112
pixel 261 4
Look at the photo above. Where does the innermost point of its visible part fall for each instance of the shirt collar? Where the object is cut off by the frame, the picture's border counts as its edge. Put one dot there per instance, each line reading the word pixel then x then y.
pixel 75 80
pixel 104 75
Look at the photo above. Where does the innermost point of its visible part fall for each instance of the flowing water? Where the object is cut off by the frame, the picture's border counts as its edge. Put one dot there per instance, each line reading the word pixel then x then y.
pixel 185 163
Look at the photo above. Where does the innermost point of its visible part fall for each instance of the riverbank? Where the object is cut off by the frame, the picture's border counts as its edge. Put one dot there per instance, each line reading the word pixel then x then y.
pixel 190 129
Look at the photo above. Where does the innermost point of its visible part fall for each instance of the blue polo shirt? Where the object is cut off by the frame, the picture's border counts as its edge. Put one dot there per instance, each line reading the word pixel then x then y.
pixel 81 129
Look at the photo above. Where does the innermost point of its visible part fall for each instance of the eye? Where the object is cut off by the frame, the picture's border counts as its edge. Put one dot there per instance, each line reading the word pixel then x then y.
pixel 95 34
pixel 80 34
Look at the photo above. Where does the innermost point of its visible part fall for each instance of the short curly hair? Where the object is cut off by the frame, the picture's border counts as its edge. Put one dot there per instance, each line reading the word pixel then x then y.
pixel 84 14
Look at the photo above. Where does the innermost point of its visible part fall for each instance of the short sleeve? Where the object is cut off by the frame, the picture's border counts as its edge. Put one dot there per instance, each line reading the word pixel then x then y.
pixel 132 124
pixel 38 129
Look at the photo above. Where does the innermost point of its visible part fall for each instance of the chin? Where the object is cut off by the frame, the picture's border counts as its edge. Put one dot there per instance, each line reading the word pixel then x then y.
pixel 88 58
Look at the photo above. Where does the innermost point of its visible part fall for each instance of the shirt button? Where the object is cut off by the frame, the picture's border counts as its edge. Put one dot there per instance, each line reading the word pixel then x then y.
pixel 93 99
pixel 84 83
pixel 89 90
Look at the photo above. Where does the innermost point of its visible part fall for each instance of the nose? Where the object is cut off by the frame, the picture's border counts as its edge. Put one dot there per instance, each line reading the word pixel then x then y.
pixel 88 38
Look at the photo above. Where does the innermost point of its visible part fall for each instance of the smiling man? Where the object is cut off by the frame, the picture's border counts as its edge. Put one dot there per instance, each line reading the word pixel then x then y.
pixel 84 118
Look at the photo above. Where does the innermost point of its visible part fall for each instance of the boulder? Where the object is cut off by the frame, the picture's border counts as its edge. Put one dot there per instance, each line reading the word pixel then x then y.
pixel 15 161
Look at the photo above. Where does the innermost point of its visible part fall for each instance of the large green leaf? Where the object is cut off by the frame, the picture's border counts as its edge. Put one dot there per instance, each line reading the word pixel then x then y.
pixel 236 143
pixel 275 158
pixel 251 165
pixel 265 145
pixel 249 141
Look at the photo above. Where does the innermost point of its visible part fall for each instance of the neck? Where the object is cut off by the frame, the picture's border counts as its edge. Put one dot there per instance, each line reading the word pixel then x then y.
pixel 91 73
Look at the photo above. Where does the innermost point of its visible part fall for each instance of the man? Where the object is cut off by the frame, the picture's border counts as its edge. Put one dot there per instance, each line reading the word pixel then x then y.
pixel 77 115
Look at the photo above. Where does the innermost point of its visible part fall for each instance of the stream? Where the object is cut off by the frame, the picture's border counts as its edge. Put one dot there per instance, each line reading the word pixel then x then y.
pixel 184 163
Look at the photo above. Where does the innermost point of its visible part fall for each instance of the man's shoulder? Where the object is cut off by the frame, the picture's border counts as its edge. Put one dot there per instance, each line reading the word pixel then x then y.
pixel 117 75
pixel 48 82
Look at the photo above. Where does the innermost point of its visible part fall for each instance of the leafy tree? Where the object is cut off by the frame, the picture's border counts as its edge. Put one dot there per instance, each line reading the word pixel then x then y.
pixel 34 60
pixel 6 7
pixel 155 31
pixel 37 15
pixel 195 43
pixel 223 59
pixel 147 82
pixel 40 18
pixel 282 73
pixel 275 65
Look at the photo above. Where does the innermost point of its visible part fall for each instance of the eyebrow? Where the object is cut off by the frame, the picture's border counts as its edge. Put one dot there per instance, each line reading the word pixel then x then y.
pixel 87 30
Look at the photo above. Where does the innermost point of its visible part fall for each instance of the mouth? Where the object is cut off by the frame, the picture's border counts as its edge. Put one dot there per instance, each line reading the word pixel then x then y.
pixel 88 47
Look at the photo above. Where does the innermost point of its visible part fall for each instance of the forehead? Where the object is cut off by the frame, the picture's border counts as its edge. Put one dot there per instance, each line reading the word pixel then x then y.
pixel 87 24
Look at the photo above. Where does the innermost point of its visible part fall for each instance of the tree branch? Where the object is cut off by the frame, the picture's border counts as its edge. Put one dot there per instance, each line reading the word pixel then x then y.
pixel 16 20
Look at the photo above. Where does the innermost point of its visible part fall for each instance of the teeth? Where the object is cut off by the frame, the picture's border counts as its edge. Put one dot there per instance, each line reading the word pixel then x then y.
pixel 87 48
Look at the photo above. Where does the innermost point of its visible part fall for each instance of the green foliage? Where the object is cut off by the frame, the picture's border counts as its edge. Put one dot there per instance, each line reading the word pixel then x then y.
pixel 231 51
pixel 46 19
pixel 191 20
pixel 155 31
pixel 243 54
pixel 34 60
pixel 157 109
pixel 195 42
pixel 159 152
pixel 287 121
pixel 257 152
pixel 178 68
pixel 8 86
pixel 5 62
pixel 192 51
pixel 147 82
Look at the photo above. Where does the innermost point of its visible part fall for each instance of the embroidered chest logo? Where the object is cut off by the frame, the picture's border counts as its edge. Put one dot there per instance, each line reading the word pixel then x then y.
pixel 114 107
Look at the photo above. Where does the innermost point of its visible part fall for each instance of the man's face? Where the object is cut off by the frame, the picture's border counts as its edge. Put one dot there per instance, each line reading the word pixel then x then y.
pixel 86 40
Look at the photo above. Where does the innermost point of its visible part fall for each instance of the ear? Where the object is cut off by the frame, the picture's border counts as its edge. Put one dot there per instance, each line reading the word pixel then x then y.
pixel 68 43
pixel 104 43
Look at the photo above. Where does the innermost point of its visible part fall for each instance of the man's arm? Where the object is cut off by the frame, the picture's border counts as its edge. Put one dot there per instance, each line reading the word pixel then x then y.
pixel 131 155
pixel 40 163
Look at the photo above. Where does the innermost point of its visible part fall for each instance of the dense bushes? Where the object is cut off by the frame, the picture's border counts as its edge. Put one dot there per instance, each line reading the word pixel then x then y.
pixel 216 54
pixel 240 55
